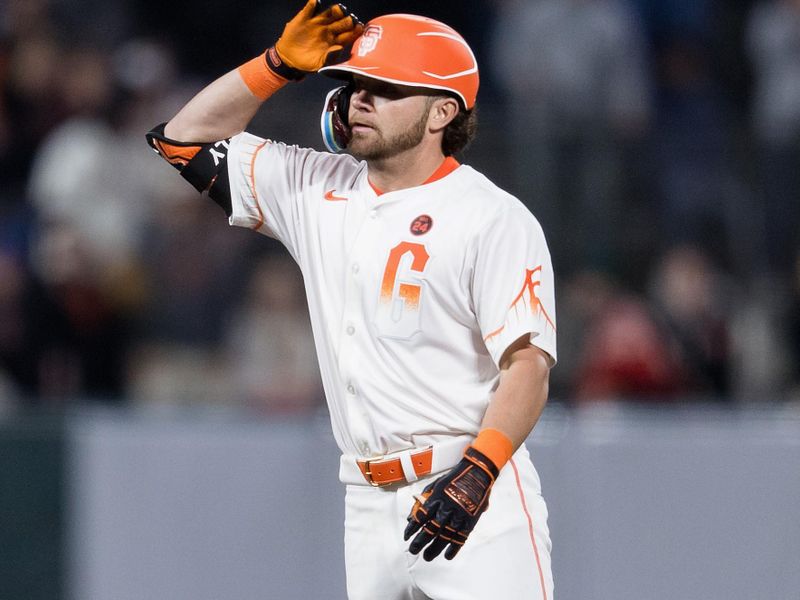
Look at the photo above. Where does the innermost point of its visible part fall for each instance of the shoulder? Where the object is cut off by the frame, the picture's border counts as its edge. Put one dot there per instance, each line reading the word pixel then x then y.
pixel 251 149
pixel 480 196
pixel 245 141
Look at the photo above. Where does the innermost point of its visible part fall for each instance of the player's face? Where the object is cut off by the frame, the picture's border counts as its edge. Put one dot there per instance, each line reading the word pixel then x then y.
pixel 386 119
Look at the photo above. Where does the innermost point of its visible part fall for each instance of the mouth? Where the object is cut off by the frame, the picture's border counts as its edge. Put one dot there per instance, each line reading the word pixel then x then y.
pixel 359 126
pixel 360 129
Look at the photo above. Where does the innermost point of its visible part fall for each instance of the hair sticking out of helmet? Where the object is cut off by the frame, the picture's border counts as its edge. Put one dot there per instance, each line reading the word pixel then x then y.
pixel 414 51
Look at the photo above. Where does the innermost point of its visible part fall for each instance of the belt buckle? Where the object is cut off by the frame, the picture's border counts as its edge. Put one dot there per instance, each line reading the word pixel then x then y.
pixel 385 457
pixel 368 473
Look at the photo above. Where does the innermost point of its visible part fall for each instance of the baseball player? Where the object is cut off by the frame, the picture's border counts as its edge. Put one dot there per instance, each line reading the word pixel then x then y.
pixel 430 292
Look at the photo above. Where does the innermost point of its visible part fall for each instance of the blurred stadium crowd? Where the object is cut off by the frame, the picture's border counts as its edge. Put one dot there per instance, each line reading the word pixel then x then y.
pixel 658 141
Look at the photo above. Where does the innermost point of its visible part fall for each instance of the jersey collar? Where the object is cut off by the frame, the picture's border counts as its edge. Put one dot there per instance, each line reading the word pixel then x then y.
pixel 449 164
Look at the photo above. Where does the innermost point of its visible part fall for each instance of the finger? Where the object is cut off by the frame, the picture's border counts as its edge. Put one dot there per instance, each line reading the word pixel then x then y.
pixel 429 531
pixel 416 519
pixel 419 505
pixel 332 14
pixel 308 10
pixel 348 37
pixel 419 511
pixel 435 549
pixel 334 49
pixel 454 532
pixel 452 550
pixel 342 25
pixel 423 539
pixel 412 528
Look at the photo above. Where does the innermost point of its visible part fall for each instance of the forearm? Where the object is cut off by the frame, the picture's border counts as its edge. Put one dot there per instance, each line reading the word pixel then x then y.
pixel 447 510
pixel 222 109
pixel 225 107
pixel 521 395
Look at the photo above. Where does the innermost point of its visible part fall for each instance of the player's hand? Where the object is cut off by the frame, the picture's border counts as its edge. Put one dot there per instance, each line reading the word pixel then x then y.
pixel 308 38
pixel 448 509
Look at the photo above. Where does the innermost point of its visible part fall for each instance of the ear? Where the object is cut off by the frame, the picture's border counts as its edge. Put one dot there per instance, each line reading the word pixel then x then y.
pixel 443 110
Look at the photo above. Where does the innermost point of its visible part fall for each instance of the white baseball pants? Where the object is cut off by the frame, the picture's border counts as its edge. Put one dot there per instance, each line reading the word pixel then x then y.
pixel 507 555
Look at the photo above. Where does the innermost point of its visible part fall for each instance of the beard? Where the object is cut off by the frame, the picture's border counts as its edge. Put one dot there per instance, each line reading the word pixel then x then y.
pixel 374 146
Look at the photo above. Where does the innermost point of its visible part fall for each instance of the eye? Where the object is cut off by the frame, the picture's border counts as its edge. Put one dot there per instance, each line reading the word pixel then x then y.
pixel 390 92
pixel 380 88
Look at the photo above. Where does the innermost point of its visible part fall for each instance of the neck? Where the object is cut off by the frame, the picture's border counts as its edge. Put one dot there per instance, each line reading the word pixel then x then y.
pixel 405 170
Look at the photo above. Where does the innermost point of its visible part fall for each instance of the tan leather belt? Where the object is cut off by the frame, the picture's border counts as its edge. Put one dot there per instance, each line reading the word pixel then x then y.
pixel 385 471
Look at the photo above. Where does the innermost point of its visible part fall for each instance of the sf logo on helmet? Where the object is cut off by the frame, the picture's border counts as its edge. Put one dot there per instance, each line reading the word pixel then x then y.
pixel 369 39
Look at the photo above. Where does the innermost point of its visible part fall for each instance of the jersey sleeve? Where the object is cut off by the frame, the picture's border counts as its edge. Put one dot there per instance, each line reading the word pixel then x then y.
pixel 513 284
pixel 269 183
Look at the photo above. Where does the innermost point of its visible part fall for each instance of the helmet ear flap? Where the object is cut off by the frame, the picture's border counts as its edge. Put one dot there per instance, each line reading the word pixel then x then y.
pixel 334 120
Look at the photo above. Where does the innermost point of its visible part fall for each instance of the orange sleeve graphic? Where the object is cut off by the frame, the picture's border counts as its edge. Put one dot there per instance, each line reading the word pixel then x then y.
pixel 527 300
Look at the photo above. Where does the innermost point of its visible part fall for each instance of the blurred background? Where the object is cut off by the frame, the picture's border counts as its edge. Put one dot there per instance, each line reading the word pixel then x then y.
pixel 155 363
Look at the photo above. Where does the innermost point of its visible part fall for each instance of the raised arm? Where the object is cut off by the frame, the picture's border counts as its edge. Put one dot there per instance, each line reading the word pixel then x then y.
pixel 195 141
pixel 219 111
pixel 226 106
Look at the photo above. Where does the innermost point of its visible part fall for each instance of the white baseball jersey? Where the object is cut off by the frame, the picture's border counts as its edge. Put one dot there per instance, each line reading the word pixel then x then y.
pixel 414 295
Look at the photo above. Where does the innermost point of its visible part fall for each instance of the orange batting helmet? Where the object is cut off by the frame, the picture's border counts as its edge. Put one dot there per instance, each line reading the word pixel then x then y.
pixel 414 51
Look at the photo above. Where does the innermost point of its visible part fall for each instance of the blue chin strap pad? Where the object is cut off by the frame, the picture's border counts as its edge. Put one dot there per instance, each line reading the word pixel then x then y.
pixel 333 122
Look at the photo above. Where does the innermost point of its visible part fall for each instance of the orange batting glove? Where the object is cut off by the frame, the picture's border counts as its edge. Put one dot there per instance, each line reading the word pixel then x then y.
pixel 309 38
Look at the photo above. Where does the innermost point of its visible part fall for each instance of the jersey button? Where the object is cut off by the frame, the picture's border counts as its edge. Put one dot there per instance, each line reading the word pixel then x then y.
pixel 373 214
pixel 350 330
pixel 355 268
pixel 351 390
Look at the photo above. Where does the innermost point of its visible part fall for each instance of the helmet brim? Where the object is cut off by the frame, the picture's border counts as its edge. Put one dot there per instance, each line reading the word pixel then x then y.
pixel 345 72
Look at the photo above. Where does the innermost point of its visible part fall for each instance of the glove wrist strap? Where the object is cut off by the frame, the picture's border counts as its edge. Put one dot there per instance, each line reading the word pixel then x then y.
pixel 494 445
pixel 261 78
pixel 278 64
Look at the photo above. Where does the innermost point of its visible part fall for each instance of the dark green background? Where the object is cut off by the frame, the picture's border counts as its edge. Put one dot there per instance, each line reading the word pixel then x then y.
pixel 31 508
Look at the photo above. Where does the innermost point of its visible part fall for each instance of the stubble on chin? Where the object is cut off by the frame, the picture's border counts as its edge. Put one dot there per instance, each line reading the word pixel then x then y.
pixel 362 148
pixel 381 148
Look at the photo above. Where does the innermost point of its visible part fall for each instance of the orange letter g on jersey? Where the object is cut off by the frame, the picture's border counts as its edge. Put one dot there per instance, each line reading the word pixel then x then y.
pixel 397 314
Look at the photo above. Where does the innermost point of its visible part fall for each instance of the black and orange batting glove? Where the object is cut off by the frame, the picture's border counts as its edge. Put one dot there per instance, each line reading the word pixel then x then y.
pixel 447 510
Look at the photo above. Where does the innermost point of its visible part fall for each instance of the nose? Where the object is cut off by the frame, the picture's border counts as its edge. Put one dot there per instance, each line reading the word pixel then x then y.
pixel 361 99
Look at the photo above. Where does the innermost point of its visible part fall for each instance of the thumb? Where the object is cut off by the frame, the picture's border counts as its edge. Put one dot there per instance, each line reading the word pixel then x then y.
pixel 412 528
